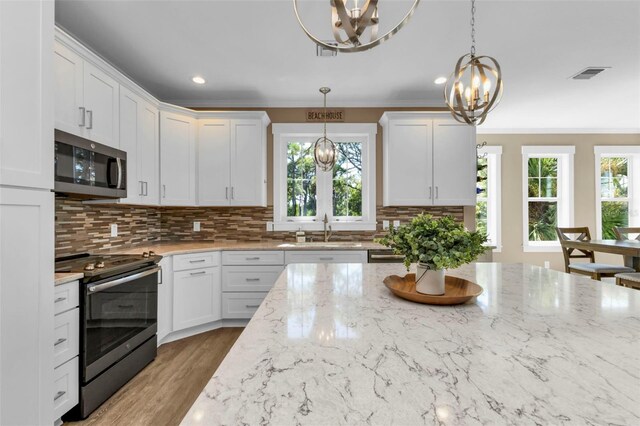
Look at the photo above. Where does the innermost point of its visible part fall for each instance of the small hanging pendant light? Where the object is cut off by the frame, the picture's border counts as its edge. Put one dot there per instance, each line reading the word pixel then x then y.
pixel 324 152
pixel 475 87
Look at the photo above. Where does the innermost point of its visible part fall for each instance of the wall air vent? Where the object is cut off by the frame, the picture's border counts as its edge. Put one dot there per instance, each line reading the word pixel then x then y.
pixel 323 51
pixel 588 73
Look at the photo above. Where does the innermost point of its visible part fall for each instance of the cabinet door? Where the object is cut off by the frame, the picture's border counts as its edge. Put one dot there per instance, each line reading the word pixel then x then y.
pixel 248 163
pixel 165 299
pixel 26 102
pixel 68 90
pixel 177 160
pixel 148 154
pixel 407 163
pixel 101 101
pixel 26 306
pixel 196 297
pixel 214 140
pixel 129 122
pixel 454 164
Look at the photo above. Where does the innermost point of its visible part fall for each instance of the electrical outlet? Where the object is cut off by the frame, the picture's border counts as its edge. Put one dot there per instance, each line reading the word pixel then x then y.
pixel 385 225
pixel 270 227
pixel 114 229
pixel 547 264
pixel 396 223
pixel 196 226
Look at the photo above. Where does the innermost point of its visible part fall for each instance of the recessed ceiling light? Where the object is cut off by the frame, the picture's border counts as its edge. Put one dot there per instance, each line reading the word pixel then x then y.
pixel 440 80
pixel 198 80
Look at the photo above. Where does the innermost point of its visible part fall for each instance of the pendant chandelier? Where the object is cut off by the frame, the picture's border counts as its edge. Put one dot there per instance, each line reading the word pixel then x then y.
pixel 349 25
pixel 475 86
pixel 324 150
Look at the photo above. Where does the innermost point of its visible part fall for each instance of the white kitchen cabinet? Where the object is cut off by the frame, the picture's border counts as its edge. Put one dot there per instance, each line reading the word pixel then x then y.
pixel 241 305
pixel 26 305
pixel 249 278
pixel 253 257
pixel 177 159
pixel 428 159
pixel 232 160
pixel 196 293
pixel 139 138
pixel 26 96
pixel 165 299
pixel 86 98
pixel 325 256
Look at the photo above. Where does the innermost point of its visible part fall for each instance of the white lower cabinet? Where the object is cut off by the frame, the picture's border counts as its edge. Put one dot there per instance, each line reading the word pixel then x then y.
pixel 65 387
pixel 196 295
pixel 165 298
pixel 250 278
pixel 326 256
pixel 241 305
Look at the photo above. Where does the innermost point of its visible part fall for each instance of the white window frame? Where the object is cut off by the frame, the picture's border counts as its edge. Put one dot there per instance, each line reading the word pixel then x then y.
pixel 283 133
pixel 632 153
pixel 565 194
pixel 494 189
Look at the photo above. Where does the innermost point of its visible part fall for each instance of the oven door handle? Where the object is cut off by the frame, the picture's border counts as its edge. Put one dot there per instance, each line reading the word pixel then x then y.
pixel 100 287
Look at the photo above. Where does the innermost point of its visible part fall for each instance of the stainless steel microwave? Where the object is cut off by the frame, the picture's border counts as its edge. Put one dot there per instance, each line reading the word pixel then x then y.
pixel 88 169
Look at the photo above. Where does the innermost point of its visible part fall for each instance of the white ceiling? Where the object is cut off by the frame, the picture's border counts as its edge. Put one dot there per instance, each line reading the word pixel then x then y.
pixel 254 54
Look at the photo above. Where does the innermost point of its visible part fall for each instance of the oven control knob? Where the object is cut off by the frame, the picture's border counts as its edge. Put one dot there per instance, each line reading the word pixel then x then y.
pixel 89 266
pixel 100 265
pixel 152 253
pixel 145 254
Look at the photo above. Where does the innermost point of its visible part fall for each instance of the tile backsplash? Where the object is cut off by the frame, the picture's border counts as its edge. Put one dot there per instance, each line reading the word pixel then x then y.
pixel 86 227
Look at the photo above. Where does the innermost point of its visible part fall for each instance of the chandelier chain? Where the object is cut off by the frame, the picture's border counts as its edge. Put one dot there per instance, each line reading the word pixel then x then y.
pixel 473 27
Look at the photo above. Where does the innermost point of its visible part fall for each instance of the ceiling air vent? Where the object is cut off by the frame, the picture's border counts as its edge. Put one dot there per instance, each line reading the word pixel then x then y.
pixel 588 73
pixel 323 51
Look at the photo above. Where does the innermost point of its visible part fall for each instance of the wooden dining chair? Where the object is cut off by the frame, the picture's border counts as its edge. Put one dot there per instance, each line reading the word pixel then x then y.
pixel 596 271
pixel 631 280
pixel 627 233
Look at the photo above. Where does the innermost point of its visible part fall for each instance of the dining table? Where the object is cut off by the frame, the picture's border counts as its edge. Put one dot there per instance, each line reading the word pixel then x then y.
pixel 629 249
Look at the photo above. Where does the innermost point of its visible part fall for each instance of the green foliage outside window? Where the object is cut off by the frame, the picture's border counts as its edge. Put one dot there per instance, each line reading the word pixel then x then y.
pixel 614 184
pixel 347 180
pixel 301 180
pixel 543 186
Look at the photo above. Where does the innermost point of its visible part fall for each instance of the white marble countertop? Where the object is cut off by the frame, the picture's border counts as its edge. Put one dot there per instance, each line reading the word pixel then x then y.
pixel 330 345
pixel 60 278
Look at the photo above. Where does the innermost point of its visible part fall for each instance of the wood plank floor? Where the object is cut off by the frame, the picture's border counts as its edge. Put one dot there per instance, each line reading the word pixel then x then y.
pixel 163 392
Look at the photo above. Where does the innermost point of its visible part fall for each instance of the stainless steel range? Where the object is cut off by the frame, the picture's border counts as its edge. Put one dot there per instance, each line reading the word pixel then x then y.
pixel 118 321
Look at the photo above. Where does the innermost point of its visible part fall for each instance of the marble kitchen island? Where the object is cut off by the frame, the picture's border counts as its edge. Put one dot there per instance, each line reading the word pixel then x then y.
pixel 331 345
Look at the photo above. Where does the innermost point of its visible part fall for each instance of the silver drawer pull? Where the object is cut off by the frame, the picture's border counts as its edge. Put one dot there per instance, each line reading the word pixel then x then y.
pixel 60 299
pixel 59 394
pixel 59 341
pixel 253 279
pixel 326 258
pixel 197 261
pixel 252 258
pixel 199 273
pixel 252 306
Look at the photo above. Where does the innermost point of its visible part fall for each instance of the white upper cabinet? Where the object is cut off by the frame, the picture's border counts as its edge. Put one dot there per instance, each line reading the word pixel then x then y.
pixel 86 98
pixel 454 165
pixel 214 169
pixel 177 159
pixel 232 160
pixel 26 98
pixel 139 138
pixel 428 159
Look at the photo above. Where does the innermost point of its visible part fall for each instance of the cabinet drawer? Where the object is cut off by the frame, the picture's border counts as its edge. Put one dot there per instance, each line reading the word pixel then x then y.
pixel 330 256
pixel 253 258
pixel 66 297
pixel 249 278
pixel 241 305
pixel 184 262
pixel 65 387
pixel 66 336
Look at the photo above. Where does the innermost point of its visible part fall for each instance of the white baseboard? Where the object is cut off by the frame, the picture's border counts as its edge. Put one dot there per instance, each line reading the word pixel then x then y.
pixel 192 331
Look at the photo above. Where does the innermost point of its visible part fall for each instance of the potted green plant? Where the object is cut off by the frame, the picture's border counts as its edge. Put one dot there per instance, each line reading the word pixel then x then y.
pixel 434 244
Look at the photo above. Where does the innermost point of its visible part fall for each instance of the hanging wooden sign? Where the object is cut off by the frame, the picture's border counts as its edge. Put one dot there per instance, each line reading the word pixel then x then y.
pixel 317 115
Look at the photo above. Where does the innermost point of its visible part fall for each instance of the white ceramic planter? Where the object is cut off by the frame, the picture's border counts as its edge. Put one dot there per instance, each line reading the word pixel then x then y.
pixel 429 281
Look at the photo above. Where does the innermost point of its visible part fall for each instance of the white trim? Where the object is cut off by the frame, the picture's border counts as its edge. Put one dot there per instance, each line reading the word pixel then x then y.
pixel 494 186
pixel 611 150
pixel 307 103
pixel 364 133
pixel 557 131
pixel 565 192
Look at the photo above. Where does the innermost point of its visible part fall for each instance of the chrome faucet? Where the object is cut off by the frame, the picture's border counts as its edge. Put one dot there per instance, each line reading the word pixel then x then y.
pixel 327 235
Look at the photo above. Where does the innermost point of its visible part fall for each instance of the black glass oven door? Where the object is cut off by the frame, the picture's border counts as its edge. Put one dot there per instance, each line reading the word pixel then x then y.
pixel 119 315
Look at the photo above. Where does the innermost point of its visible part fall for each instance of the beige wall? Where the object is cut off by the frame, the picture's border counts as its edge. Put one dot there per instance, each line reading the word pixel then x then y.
pixel 584 177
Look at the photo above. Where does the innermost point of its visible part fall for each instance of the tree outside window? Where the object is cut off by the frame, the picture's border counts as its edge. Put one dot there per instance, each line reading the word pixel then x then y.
pixel 614 194
pixel 543 198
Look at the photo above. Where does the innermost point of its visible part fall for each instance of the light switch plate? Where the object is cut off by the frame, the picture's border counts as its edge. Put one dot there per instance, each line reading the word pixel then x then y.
pixel 114 229
pixel 396 223
pixel 385 225
pixel 196 226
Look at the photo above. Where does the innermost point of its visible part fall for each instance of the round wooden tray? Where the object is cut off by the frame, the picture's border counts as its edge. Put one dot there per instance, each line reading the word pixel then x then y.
pixel 457 290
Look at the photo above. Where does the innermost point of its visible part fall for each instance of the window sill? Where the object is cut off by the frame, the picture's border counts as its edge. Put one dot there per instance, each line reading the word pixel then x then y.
pixel 543 248
pixel 319 226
